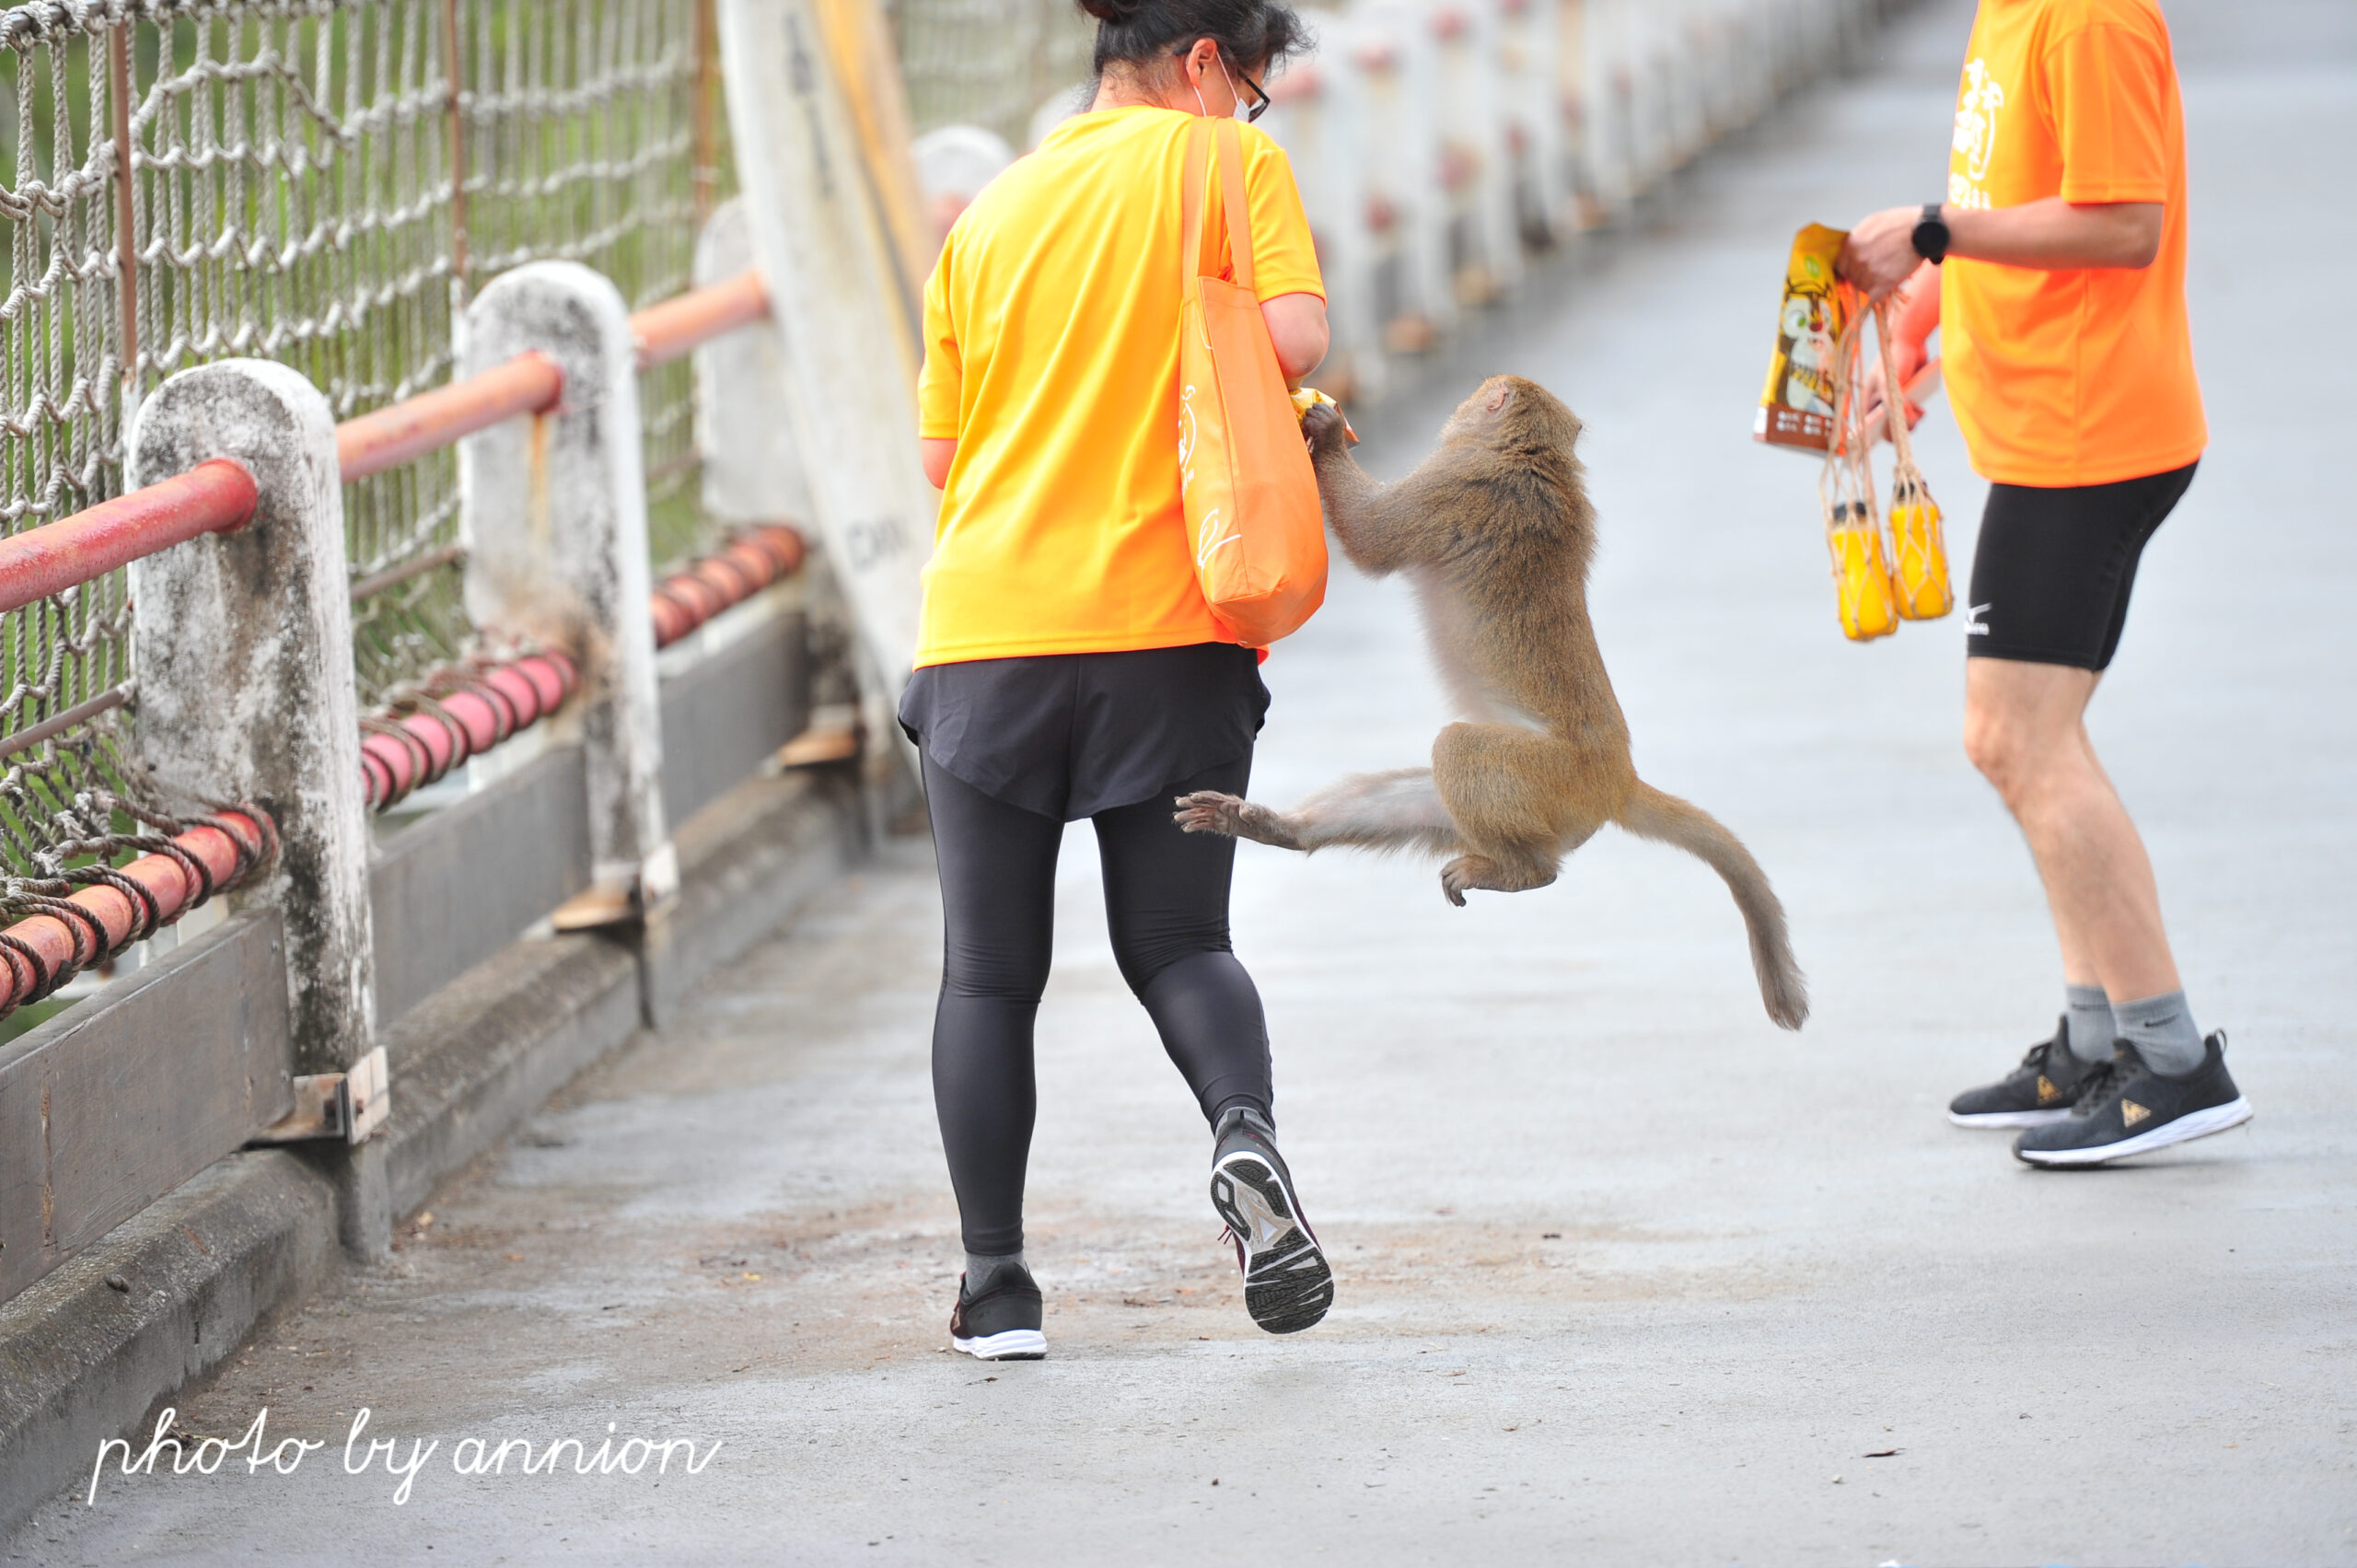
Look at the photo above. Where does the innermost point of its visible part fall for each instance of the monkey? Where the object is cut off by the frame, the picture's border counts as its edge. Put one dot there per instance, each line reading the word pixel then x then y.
pixel 1496 533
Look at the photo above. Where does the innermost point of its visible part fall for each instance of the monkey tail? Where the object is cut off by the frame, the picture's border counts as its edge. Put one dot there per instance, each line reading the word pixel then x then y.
pixel 1650 814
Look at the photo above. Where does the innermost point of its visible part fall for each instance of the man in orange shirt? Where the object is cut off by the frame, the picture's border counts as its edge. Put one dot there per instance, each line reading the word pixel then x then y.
pixel 2055 272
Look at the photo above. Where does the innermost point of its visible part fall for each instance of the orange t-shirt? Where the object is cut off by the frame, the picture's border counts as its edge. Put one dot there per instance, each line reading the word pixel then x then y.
pixel 2082 376
pixel 1052 355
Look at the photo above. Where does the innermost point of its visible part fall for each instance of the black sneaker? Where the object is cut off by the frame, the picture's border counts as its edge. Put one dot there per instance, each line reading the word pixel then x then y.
pixel 1287 1286
pixel 2131 1110
pixel 1002 1322
pixel 2039 1092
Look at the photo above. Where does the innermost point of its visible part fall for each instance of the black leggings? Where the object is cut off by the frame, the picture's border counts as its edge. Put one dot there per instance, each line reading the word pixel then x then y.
pixel 1165 903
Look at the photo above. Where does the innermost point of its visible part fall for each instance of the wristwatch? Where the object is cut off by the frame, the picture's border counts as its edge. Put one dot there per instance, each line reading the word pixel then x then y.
pixel 1931 235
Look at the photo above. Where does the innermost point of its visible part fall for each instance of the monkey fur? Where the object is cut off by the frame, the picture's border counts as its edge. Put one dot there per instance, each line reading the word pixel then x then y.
pixel 1495 530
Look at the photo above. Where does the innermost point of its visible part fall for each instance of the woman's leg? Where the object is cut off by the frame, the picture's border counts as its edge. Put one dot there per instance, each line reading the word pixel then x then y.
pixel 1165 902
pixel 998 895
pixel 1166 899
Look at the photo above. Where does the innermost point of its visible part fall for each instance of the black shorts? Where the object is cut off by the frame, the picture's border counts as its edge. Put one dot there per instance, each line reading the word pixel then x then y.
pixel 2052 572
pixel 1069 735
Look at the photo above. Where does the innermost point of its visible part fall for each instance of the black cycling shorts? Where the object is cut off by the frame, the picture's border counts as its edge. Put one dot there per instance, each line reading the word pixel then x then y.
pixel 2054 567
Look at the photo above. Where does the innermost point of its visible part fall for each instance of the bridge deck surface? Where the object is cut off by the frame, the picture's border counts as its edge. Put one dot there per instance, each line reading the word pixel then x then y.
pixel 1625 1274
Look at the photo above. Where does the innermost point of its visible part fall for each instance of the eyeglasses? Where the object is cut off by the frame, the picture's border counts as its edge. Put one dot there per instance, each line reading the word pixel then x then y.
pixel 1259 98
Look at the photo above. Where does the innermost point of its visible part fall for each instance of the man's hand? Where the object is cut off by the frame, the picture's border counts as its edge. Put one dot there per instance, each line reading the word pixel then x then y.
pixel 1879 255
pixel 1915 316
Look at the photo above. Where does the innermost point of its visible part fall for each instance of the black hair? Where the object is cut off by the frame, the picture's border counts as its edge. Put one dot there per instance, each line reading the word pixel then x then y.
pixel 1251 34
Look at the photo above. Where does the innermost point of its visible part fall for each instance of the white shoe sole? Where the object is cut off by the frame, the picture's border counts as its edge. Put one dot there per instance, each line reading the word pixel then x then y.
pixel 1014 1344
pixel 1992 1118
pixel 2192 1125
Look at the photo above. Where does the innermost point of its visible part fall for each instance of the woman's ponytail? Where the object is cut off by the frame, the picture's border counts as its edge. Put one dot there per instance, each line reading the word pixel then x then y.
pixel 1144 34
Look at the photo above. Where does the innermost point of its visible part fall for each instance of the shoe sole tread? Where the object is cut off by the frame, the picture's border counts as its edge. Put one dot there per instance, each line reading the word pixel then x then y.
pixel 1288 1286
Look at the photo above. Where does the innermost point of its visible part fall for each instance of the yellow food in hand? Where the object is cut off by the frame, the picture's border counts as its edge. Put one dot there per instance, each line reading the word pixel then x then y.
pixel 1309 398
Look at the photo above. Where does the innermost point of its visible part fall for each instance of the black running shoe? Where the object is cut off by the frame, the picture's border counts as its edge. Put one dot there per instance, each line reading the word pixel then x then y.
pixel 1287 1286
pixel 1002 1322
pixel 2131 1110
pixel 2039 1092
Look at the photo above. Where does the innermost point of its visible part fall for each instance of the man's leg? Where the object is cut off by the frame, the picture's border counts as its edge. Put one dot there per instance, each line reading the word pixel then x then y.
pixel 2024 728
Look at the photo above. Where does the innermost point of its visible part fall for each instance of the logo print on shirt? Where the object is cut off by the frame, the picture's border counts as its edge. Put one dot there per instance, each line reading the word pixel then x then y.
pixel 1976 134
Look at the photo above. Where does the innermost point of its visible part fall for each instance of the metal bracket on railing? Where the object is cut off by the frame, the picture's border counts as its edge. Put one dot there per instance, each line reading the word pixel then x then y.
pixel 833 735
pixel 349 1105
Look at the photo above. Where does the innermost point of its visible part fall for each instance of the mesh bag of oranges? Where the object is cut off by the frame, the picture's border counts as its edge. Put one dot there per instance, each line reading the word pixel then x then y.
pixel 1881 575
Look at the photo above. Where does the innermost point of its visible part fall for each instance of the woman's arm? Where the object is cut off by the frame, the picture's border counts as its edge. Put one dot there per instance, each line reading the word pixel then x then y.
pixel 1297 327
pixel 938 451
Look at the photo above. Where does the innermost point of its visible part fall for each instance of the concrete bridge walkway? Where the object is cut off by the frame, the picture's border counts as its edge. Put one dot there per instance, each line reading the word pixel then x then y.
pixel 1625 1274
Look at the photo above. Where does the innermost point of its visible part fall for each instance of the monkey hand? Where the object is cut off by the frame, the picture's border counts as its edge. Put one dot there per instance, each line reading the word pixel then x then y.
pixel 1325 430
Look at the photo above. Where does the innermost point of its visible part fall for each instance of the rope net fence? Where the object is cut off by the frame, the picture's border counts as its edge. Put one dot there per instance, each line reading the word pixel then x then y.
pixel 298 180
pixel 990 62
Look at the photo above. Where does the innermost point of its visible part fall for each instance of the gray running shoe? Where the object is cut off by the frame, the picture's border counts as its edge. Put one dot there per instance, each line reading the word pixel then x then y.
pixel 1287 1286
pixel 2128 1108
pixel 2039 1093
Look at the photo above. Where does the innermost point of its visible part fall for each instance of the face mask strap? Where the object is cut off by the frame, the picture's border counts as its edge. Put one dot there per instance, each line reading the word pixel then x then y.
pixel 1237 113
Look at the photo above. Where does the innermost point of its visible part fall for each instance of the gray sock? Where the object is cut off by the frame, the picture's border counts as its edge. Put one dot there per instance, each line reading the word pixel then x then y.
pixel 2092 1029
pixel 981 1266
pixel 2161 1029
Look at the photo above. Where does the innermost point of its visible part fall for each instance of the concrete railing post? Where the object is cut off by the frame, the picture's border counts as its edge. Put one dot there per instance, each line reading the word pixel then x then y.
pixel 752 471
pixel 243 643
pixel 850 334
pixel 553 511
pixel 754 474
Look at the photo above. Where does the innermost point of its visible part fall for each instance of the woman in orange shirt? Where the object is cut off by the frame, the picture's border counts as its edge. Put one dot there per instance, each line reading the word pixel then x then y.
pixel 1067 665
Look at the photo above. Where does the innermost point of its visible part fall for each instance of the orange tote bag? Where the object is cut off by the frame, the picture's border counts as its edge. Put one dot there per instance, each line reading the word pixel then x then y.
pixel 1244 482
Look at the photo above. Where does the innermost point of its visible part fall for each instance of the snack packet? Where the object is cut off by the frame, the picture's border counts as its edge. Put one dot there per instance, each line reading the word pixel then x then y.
pixel 1796 408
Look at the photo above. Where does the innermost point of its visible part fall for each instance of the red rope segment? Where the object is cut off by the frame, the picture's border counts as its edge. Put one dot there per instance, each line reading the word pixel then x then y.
pixel 405 431
pixel 41 951
pixel 483 708
pixel 752 561
pixel 219 495
pixel 678 326
pixel 213 497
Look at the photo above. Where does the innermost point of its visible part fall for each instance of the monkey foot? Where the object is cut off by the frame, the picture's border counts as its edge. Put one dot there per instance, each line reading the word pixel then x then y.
pixel 1208 811
pixel 1468 872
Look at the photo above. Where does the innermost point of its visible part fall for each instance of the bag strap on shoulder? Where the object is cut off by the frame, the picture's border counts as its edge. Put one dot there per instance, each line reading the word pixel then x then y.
pixel 1235 200
pixel 1190 214
pixel 1228 179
